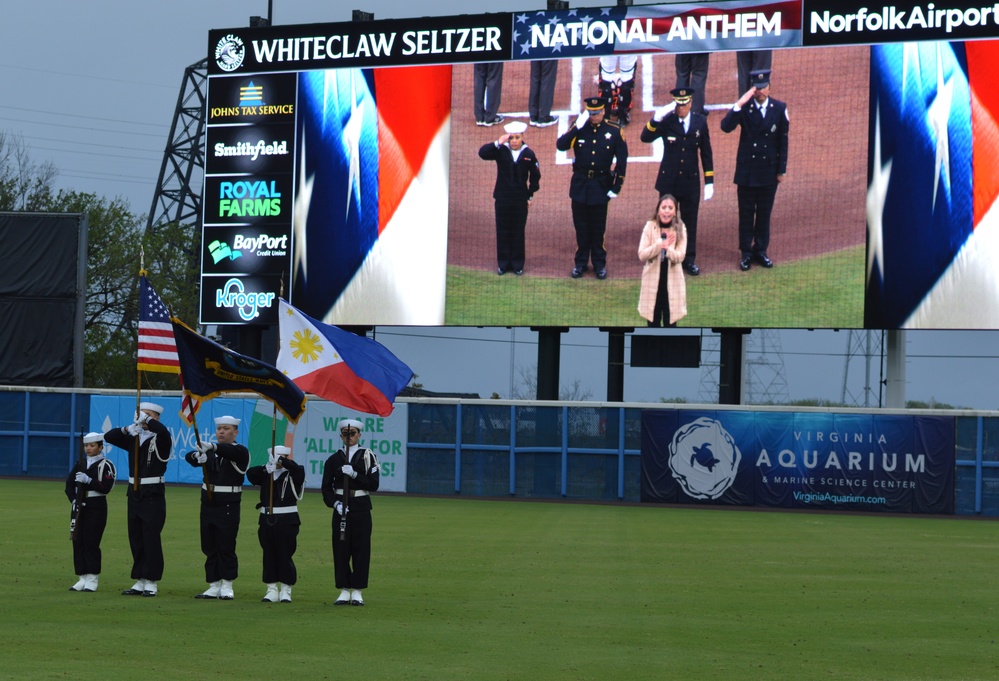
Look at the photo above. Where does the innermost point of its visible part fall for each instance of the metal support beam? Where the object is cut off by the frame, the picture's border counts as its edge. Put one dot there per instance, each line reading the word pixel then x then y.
pixel 730 366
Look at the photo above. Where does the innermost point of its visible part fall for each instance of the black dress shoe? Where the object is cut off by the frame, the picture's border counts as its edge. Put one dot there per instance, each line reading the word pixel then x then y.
pixel 745 263
pixel 602 273
pixel 131 592
pixel 764 260
pixel 577 272
pixel 500 271
pixel 205 597
pixel 518 272
pixel 692 268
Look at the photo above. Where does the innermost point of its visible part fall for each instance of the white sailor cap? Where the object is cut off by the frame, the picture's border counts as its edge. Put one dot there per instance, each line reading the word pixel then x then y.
pixel 515 128
pixel 280 450
pixel 93 437
pixel 344 423
pixel 227 421
pixel 150 406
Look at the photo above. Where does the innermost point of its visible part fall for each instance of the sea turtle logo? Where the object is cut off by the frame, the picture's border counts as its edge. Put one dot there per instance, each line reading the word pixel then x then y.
pixel 229 52
pixel 704 458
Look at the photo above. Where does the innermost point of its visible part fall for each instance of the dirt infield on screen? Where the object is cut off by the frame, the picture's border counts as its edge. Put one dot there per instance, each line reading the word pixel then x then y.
pixel 817 228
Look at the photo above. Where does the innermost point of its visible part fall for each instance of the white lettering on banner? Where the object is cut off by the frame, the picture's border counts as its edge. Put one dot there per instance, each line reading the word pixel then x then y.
pixel 593 33
pixel 252 150
pixel 233 295
pixel 748 25
pixel 373 45
pixel 890 18
pixel 253 243
pixel 855 461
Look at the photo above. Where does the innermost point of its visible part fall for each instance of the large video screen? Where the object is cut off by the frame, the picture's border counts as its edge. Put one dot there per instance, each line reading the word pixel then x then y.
pixel 348 167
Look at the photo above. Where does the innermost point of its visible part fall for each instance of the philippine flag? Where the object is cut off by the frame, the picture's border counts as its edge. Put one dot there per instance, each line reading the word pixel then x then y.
pixel 933 179
pixel 338 365
pixel 371 199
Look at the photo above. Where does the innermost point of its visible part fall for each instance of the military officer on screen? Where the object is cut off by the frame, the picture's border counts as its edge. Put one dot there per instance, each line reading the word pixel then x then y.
pixel 760 164
pixel 684 135
pixel 598 168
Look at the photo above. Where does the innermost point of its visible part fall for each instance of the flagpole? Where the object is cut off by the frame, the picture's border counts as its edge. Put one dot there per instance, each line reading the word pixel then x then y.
pixel 197 442
pixel 270 518
pixel 138 380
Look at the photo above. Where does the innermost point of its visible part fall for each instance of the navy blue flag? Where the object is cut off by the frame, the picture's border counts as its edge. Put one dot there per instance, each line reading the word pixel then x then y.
pixel 210 369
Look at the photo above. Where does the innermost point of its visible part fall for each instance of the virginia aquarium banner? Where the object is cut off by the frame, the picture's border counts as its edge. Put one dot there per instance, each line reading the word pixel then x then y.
pixel 846 462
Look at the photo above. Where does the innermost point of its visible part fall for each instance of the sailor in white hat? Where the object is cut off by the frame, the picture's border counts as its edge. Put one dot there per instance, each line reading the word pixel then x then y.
pixel 223 464
pixel 147 444
pixel 88 484
pixel 518 177
pixel 282 484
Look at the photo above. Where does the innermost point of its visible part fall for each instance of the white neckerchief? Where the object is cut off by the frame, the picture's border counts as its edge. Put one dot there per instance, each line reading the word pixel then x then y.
pixel 91 460
pixel 518 152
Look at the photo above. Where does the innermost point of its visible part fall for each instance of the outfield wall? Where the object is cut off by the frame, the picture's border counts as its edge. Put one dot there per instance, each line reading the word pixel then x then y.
pixel 524 449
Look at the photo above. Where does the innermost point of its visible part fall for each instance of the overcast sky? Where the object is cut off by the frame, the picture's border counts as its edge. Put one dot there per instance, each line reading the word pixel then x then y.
pixel 93 86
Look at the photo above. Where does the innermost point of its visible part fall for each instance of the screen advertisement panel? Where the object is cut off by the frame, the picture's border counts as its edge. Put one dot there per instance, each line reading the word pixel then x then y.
pixel 383 176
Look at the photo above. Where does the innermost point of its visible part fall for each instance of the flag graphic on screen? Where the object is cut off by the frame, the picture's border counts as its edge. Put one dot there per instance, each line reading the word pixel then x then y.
pixel 681 27
pixel 371 205
pixel 338 365
pixel 157 349
pixel 931 228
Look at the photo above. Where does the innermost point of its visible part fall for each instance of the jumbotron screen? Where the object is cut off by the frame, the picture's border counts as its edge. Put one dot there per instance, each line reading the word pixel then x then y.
pixel 343 168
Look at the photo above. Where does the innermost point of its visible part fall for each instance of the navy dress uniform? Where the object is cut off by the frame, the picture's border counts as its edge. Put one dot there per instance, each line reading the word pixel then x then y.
pixel 87 487
pixel 518 177
pixel 224 464
pixel 282 485
pixel 760 164
pixel 146 494
pixel 358 468
pixel 685 137
pixel 598 170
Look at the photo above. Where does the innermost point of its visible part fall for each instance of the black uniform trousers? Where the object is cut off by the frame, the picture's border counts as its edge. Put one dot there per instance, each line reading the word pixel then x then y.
pixel 755 206
pixel 90 524
pixel 511 225
pixel 352 556
pixel 219 527
pixel 590 222
pixel 146 518
pixel 487 91
pixel 279 543
pixel 692 72
pixel 688 201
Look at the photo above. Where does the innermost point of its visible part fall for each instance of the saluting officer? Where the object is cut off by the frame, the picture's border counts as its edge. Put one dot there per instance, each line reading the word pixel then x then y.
pixel 598 169
pixel 358 468
pixel 760 164
pixel 146 500
pixel 87 485
pixel 684 135
pixel 224 462
pixel 282 484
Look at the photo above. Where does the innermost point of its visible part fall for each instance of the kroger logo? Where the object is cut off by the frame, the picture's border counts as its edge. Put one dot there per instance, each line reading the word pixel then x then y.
pixel 232 295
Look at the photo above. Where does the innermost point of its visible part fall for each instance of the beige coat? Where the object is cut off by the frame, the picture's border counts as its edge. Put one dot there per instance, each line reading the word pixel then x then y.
pixel 648 252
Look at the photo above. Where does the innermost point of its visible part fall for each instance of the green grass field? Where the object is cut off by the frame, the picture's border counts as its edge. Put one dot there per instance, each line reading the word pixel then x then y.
pixel 826 291
pixel 477 589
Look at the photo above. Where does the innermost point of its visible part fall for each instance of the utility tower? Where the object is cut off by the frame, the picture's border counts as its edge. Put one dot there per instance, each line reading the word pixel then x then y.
pixel 866 347
pixel 178 189
pixel 764 379
pixel 707 392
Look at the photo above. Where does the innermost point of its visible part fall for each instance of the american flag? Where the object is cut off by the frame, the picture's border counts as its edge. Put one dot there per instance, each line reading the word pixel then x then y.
pixel 157 348
pixel 932 230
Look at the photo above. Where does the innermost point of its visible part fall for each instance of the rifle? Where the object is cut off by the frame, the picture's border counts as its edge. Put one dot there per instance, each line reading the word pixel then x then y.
pixel 346 498
pixel 78 504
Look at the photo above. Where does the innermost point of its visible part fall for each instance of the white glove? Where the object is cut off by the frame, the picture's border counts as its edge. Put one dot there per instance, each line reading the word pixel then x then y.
pixel 142 418
pixel 206 447
pixel 349 470
pixel 582 120
pixel 611 194
pixel 200 457
pixel 663 111
pixel 270 467
pixel 133 429
pixel 83 477
pixel 709 191
pixel 338 507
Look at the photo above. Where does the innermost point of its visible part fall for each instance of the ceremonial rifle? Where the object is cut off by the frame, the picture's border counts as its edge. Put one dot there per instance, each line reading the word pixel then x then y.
pixel 78 504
